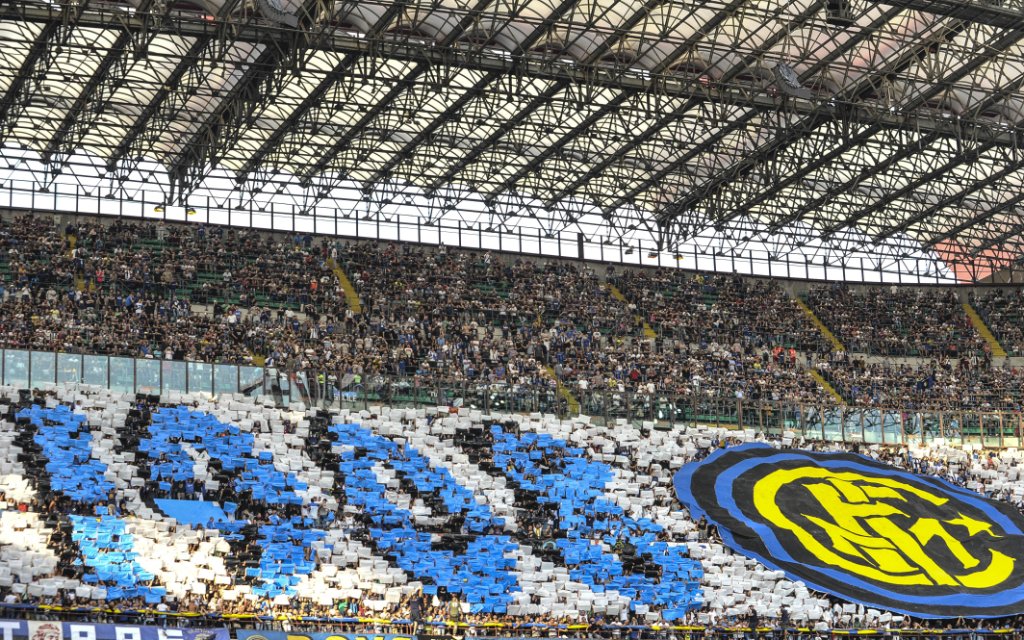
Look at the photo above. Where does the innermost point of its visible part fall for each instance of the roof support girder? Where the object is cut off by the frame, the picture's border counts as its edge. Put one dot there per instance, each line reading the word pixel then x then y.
pixel 314 97
pixel 1013 231
pixel 742 120
pixel 32 69
pixel 595 56
pixel 928 136
pixel 170 98
pixel 260 83
pixel 903 61
pixel 973 11
pixel 422 66
pixel 79 121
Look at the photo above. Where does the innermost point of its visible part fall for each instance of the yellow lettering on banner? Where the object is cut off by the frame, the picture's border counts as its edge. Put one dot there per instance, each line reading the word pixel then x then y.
pixel 870 533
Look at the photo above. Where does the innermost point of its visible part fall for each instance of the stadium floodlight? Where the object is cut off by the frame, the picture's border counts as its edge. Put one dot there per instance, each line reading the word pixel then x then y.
pixel 838 13
pixel 788 81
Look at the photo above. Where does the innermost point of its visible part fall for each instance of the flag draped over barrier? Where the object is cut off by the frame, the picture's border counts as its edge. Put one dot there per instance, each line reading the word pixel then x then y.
pixel 862 530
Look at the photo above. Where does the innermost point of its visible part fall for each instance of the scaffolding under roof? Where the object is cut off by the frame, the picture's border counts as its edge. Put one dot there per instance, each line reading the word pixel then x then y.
pixel 804 132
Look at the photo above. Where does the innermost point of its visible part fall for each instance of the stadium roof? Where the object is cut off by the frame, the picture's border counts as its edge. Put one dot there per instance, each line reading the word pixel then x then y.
pixel 821 132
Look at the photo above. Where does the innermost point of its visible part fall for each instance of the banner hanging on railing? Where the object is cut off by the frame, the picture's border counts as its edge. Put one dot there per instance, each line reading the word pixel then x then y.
pixel 248 634
pixel 56 630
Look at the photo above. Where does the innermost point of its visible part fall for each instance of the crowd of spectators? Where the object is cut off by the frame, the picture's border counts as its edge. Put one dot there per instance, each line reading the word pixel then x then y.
pixel 435 318
pixel 1003 312
pixel 202 294
pixel 644 465
pixel 896 321
pixel 971 383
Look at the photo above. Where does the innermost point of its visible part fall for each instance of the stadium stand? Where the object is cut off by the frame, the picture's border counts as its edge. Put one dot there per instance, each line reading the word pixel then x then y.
pixel 514 517
pixel 896 321
pixel 1003 311
pixel 441 324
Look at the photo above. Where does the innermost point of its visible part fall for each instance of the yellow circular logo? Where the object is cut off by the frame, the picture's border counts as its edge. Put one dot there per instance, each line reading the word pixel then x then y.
pixel 863 530
pixel 872 529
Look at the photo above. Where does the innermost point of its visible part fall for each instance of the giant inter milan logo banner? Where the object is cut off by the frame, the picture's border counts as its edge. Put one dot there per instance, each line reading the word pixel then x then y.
pixel 862 530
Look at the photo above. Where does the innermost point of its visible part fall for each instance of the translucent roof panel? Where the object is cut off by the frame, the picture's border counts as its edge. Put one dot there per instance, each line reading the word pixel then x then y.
pixel 856 127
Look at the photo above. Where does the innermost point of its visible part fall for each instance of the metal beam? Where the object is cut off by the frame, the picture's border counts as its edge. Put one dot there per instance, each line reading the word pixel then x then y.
pixel 314 97
pixel 464 25
pixel 907 189
pixel 973 11
pixel 354 131
pixel 736 171
pixel 32 68
pixel 594 57
pixel 927 213
pixel 521 60
pixel 989 101
pixel 1014 230
pixel 990 51
pixel 77 122
pixel 428 131
pixel 546 68
pixel 719 135
pixel 168 100
pixel 225 123
pixel 967 224
pixel 342 143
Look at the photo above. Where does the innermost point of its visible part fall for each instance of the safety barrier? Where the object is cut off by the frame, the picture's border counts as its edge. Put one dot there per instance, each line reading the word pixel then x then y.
pixel 189 626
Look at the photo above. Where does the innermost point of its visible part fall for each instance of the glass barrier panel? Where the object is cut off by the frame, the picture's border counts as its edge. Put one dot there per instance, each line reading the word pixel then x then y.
pixel 174 376
pixel 854 425
pixel 44 368
pixel 952 428
pixel 16 368
pixel 892 428
pixel 1011 430
pixel 991 429
pixel 971 428
pixel 200 377
pixel 772 418
pixel 147 376
pixel 95 370
pixel 122 374
pixel 69 367
pixel 811 423
pixel 931 427
pixel 833 424
pixel 250 380
pixel 873 427
pixel 913 428
pixel 225 378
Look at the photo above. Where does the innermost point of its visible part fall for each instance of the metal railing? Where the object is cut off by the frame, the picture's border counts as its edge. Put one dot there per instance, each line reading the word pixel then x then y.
pixel 809 421
pixel 22 368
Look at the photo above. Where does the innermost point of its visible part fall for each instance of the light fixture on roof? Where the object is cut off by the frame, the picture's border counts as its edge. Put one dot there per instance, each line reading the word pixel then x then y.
pixel 788 81
pixel 838 13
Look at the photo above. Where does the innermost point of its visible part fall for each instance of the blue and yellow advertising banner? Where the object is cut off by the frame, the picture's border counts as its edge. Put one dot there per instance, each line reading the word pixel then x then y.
pixel 56 630
pixel 862 530
pixel 248 634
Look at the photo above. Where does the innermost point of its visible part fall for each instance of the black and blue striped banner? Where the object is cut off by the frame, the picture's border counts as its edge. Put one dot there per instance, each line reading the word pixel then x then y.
pixel 862 530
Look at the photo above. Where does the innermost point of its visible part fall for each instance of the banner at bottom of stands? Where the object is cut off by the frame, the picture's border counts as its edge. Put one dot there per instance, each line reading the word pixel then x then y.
pixel 245 634
pixel 54 630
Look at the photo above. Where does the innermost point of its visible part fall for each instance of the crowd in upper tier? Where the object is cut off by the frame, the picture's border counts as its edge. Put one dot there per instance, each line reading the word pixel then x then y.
pixel 436 317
